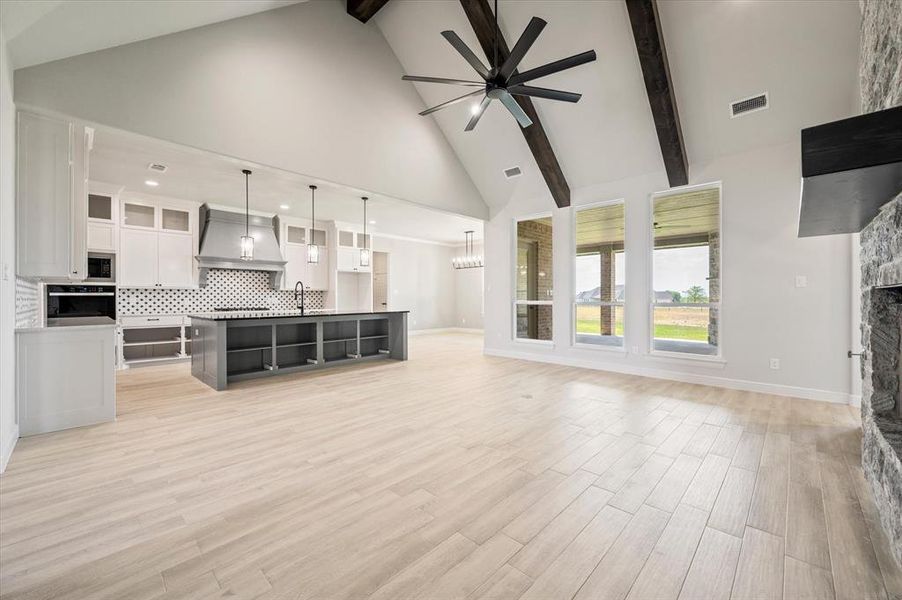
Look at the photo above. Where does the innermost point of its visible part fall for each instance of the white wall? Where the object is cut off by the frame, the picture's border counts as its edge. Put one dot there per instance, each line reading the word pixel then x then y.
pixel 421 280
pixel 469 291
pixel 305 88
pixel 763 315
pixel 9 428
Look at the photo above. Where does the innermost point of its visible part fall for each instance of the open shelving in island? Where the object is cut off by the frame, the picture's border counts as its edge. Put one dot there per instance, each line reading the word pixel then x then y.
pixel 227 349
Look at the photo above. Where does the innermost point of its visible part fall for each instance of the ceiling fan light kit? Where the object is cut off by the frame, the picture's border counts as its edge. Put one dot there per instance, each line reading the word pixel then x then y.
pixel 501 82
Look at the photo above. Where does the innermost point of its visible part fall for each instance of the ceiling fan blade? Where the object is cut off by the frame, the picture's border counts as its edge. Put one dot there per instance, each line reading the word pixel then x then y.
pixel 465 51
pixel 537 92
pixel 553 67
pixel 450 102
pixel 478 114
pixel 528 37
pixel 511 103
pixel 442 80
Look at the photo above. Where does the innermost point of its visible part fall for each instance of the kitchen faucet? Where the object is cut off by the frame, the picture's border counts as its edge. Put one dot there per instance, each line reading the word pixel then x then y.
pixel 299 284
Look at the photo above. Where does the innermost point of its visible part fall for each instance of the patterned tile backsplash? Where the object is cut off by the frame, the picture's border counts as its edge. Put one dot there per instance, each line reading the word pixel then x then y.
pixel 225 288
pixel 27 302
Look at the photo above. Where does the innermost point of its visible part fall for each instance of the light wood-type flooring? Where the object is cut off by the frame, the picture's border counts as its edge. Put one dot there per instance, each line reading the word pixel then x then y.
pixel 452 475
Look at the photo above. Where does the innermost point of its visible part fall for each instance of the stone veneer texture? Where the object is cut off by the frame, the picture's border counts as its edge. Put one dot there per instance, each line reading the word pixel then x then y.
pixel 225 288
pixel 880 72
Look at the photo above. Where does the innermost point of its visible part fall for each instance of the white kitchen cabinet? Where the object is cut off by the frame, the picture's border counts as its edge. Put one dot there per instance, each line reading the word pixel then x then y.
pixel 156 245
pixel 349 261
pixel 175 260
pixel 51 197
pixel 138 258
pixel 103 208
pixel 65 377
pixel 101 237
pixel 346 259
pixel 318 273
pixel 296 265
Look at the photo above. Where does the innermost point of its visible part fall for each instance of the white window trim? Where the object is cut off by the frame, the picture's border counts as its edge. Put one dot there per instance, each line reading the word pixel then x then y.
pixel 684 356
pixel 513 281
pixel 573 342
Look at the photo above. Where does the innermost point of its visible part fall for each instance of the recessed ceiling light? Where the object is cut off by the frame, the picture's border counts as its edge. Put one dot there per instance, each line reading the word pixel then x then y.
pixel 474 109
pixel 284 206
pixel 372 222
pixel 151 183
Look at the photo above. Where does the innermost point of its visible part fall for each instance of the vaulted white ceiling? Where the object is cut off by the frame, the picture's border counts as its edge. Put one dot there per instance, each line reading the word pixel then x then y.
pixel 39 31
pixel 802 52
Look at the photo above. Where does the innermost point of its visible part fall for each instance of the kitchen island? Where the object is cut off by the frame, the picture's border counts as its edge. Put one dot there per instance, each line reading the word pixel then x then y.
pixel 239 345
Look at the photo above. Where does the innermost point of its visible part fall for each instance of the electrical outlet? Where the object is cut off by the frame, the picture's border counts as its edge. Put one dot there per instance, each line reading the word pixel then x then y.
pixel 775 364
pixel 801 281
pixel 635 349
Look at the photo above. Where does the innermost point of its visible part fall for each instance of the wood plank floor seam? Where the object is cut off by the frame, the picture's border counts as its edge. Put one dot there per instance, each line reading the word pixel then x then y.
pixel 406 480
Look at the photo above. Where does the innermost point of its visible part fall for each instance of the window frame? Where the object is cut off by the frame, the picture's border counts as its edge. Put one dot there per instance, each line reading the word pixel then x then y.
pixel 515 239
pixel 649 225
pixel 572 300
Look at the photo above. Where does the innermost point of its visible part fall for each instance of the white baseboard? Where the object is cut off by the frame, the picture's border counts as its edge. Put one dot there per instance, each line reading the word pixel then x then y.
pixel 712 380
pixel 444 330
pixel 7 451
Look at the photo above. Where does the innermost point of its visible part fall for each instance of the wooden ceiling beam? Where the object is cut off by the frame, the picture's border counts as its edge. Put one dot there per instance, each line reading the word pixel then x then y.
pixel 363 10
pixel 646 26
pixel 482 19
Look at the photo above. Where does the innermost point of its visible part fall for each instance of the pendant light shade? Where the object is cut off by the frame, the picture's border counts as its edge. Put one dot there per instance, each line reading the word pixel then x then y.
pixel 365 251
pixel 312 248
pixel 247 242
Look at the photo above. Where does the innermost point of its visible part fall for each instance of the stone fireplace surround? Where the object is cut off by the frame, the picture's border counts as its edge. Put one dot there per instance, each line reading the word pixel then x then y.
pixel 881 330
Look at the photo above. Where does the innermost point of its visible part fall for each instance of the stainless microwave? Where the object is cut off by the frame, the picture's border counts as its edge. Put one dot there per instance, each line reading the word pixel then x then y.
pixel 101 267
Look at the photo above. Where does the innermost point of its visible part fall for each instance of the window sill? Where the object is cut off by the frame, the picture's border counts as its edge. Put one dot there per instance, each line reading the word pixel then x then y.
pixel 528 341
pixel 601 347
pixel 663 356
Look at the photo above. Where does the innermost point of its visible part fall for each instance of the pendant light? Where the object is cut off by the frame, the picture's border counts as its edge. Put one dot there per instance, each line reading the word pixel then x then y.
pixel 469 260
pixel 364 252
pixel 247 242
pixel 312 248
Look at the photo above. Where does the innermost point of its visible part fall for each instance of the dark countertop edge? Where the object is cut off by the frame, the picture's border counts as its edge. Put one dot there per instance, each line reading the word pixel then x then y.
pixel 342 314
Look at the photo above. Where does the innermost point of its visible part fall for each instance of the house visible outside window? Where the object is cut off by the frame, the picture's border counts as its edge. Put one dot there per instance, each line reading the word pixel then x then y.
pixel 685 308
pixel 534 282
pixel 599 275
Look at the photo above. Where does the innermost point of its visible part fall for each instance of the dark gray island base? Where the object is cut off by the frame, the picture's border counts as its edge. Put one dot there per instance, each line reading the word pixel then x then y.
pixel 233 348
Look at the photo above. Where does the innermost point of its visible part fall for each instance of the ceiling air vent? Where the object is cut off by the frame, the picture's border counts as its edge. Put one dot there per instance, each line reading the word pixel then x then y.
pixel 512 172
pixel 157 167
pixel 748 105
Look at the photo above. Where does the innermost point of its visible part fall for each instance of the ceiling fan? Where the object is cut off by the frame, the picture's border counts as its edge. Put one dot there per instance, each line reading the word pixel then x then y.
pixel 500 82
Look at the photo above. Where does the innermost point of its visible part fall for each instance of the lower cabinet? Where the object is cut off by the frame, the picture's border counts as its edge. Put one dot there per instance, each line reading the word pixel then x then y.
pixel 65 377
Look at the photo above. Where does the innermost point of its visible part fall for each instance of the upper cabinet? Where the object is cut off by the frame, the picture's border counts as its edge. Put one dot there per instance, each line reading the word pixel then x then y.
pixel 156 245
pixel 349 245
pixel 51 197
pixel 103 208
pixel 294 249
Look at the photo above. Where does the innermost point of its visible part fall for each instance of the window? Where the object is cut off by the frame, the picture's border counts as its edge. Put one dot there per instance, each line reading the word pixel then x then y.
pixel 686 266
pixel 534 281
pixel 599 275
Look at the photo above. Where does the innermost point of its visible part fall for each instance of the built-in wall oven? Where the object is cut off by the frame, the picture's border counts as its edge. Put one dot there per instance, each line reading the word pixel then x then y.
pixel 80 304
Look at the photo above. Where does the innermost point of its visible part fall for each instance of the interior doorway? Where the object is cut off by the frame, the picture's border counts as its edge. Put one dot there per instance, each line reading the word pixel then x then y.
pixel 380 281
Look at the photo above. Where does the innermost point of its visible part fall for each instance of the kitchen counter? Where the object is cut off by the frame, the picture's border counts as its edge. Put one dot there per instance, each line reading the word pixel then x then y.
pixel 272 314
pixel 234 346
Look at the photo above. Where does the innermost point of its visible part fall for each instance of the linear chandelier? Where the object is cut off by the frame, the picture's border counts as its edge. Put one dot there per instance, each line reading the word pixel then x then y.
pixel 469 260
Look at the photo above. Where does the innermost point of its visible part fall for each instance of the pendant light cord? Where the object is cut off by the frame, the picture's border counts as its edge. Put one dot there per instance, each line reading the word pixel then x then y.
pixel 247 203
